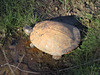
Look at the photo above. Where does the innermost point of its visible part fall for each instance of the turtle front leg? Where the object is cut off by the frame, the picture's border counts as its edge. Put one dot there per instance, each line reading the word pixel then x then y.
pixel 56 57
pixel 31 45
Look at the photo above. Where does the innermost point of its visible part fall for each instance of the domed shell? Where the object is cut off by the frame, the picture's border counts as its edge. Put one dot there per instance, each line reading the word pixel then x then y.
pixel 55 38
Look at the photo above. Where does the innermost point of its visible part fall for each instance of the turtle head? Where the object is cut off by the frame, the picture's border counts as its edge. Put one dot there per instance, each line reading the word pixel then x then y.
pixel 27 29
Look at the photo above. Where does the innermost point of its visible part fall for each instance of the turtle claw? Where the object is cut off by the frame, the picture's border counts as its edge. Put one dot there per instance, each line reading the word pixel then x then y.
pixel 31 45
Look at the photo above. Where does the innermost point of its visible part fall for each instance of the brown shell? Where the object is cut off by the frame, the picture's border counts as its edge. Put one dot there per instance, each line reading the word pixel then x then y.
pixel 55 38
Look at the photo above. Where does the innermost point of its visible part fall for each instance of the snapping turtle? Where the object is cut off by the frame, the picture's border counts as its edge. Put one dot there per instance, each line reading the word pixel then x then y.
pixel 54 38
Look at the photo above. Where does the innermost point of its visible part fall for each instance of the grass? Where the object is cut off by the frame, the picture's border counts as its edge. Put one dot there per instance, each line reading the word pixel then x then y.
pixel 86 54
pixel 16 14
pixel 65 4
pixel 85 57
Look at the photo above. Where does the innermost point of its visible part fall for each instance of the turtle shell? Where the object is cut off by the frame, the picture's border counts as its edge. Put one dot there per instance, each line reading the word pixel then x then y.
pixel 55 38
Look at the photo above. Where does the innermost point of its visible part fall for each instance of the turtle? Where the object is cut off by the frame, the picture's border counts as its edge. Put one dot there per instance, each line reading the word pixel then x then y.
pixel 54 38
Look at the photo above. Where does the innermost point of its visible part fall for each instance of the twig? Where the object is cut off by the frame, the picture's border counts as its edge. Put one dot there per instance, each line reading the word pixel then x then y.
pixel 7 62
pixel 20 61
pixel 65 69
pixel 24 70
pixel 79 65
pixel 17 67
pixel 20 69
pixel 6 56
pixel 10 66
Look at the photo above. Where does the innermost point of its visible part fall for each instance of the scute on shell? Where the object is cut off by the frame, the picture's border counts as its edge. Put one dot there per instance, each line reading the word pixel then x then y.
pixel 55 38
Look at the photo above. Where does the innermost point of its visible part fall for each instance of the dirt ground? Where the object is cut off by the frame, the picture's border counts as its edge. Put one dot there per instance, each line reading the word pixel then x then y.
pixel 32 61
